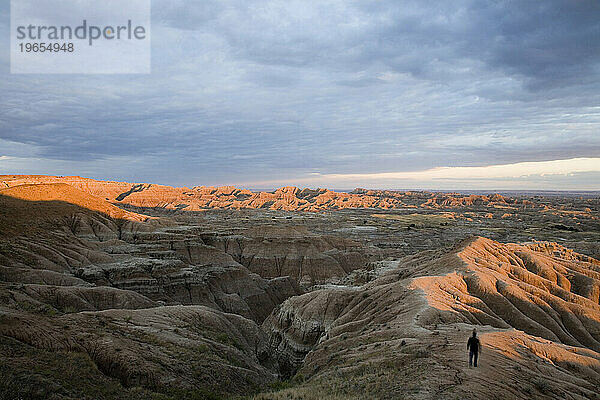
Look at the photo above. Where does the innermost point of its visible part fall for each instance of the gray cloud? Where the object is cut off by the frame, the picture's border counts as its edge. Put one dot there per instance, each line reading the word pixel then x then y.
pixel 265 90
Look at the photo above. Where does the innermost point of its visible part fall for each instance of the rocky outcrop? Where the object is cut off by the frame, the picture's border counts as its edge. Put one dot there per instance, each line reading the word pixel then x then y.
pixel 285 199
pixel 93 282
pixel 300 323
pixel 122 305
pixel 308 258
pixel 368 338
pixel 69 299
pixel 102 247
pixel 542 289
pixel 228 287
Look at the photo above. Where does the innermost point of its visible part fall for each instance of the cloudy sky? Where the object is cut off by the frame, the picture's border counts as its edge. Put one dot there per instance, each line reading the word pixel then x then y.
pixel 465 94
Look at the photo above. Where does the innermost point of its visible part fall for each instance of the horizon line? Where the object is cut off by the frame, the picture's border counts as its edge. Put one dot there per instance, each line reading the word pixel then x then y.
pixel 329 188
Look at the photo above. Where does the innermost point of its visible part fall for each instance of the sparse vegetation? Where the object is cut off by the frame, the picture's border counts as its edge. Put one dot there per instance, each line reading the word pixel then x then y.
pixel 226 339
pixel 542 385
pixel 202 348
pixel 191 394
pixel 380 348
pixel 280 385
pixel 41 309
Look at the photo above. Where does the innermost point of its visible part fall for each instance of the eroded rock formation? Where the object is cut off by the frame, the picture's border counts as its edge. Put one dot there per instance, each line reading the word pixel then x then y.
pixel 419 311
pixel 286 198
pixel 186 305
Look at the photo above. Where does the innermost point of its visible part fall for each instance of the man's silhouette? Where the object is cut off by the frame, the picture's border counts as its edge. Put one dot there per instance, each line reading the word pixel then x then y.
pixel 473 345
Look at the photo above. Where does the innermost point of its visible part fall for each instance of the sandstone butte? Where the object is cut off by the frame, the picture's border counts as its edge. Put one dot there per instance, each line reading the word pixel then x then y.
pixel 284 199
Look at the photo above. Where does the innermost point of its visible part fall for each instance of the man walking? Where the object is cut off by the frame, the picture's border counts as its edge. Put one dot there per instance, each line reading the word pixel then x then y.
pixel 473 346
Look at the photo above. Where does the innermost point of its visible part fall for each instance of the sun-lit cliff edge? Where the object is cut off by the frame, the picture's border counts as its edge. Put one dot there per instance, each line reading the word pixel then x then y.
pixel 285 198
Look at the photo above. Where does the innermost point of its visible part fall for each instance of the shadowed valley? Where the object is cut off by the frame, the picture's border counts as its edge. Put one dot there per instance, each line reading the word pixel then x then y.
pixel 123 290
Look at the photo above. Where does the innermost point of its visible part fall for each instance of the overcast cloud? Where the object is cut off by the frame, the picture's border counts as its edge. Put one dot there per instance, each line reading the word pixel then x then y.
pixel 244 92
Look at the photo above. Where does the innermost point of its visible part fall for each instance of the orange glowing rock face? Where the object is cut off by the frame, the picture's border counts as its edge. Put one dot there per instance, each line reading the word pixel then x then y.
pixel 285 199
pixel 517 286
pixel 535 305
pixel 61 192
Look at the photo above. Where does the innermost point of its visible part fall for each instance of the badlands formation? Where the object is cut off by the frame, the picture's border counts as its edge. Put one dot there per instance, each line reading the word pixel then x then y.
pixel 114 290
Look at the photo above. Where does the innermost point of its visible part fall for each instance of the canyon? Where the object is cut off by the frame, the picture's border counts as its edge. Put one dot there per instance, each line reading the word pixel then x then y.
pixel 136 290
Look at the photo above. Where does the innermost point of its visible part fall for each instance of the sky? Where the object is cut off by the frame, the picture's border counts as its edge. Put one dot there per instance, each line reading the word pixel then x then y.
pixel 453 95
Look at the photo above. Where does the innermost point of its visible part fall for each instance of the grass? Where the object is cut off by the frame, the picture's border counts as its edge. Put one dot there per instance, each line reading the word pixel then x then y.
pixel 396 378
pixel 280 385
pixel 193 394
pixel 542 385
pixel 40 309
pixel 202 348
pixel 69 310
pixel 34 374
pixel 226 339
pixel 29 373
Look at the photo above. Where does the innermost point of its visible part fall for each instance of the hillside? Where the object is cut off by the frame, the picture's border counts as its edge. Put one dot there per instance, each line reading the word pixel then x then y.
pixel 25 207
pixel 273 304
pixel 285 198
pixel 403 334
